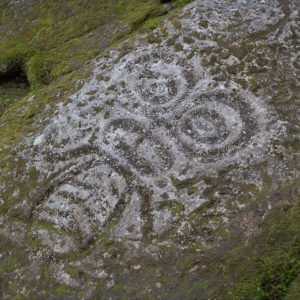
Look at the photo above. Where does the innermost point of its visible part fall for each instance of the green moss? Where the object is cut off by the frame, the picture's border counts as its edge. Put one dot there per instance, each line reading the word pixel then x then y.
pixel 294 290
pixel 38 70
pixel 111 88
pixel 294 144
pixel 19 297
pixel 176 23
pixel 242 83
pixel 32 241
pixel 192 190
pixel 178 47
pixel 254 85
pixel 72 271
pixel 173 206
pixel 276 277
pixel 98 109
pixel 6 169
pixel 142 12
pixel 271 275
pixel 61 290
pixel 47 226
pixel 181 184
pixel 180 3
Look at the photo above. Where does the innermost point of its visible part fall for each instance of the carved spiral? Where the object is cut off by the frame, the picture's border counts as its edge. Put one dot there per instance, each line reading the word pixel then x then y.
pixel 215 129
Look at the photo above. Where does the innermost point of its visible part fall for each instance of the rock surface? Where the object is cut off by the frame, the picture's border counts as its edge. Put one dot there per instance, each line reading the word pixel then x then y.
pixel 169 156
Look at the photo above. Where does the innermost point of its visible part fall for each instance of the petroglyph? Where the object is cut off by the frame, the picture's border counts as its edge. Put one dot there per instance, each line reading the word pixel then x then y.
pixel 148 125
pixel 86 199
pixel 158 153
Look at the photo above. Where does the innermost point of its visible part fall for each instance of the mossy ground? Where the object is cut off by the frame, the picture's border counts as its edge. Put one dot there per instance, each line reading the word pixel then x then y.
pixel 272 259
pixel 55 45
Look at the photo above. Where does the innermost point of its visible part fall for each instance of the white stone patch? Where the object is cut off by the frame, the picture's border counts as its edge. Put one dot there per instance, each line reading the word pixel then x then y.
pixel 163 219
pixel 55 242
pixel 38 140
pixel 130 226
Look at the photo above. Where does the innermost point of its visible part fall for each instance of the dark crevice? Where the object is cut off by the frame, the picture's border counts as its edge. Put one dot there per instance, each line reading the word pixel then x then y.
pixel 14 84
pixel 14 77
